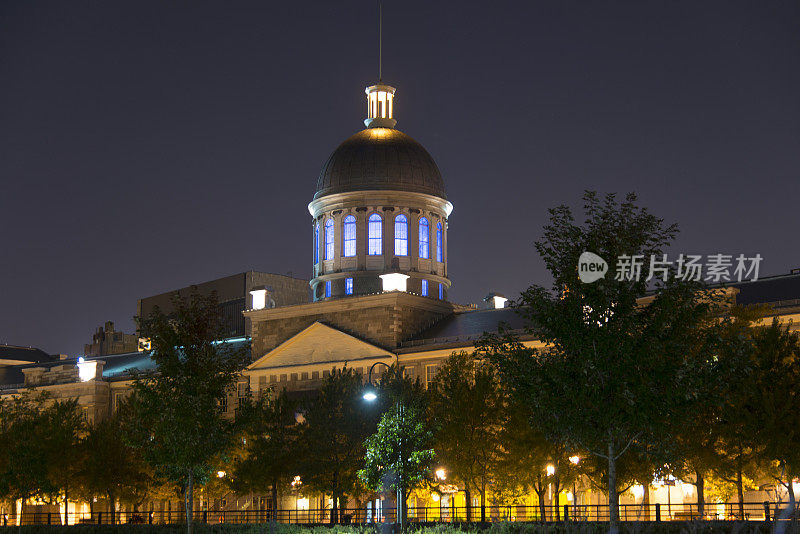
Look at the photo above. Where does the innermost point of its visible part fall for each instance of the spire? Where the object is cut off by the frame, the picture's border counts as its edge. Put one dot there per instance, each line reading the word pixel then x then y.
pixel 380 97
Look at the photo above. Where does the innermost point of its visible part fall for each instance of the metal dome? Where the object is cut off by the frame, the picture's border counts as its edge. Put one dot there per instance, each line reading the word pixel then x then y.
pixel 382 159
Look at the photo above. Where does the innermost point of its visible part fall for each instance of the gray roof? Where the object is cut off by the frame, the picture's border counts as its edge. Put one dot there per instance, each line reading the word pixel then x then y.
pixel 382 159
pixel 24 354
pixel 776 290
pixel 117 366
pixel 466 326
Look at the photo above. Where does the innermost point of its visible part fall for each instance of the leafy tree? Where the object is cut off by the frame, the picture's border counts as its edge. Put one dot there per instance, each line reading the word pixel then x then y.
pixel 399 455
pixel 270 459
pixel 332 437
pixel 776 363
pixel 525 457
pixel 738 449
pixel 177 423
pixel 35 433
pixel 110 467
pixel 611 374
pixel 469 406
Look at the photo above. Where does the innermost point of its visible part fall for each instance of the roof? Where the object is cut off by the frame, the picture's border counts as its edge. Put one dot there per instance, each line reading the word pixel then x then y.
pixel 117 366
pixel 24 354
pixel 776 290
pixel 380 159
pixel 466 326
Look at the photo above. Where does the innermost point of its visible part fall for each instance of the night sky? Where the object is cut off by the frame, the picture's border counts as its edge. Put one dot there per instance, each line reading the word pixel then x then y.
pixel 147 146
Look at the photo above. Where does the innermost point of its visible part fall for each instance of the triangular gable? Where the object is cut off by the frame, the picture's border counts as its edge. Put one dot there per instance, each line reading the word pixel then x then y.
pixel 319 344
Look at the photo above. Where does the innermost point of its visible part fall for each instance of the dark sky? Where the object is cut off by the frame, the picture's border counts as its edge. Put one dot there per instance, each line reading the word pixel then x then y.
pixel 150 145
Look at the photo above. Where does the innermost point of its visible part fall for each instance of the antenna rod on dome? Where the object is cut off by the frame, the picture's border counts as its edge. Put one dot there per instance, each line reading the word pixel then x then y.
pixel 380 40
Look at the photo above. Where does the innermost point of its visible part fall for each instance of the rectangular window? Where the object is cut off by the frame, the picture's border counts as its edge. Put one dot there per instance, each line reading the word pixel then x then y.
pixel 430 374
pixel 328 288
pixel 348 286
pixel 441 292
pixel 424 288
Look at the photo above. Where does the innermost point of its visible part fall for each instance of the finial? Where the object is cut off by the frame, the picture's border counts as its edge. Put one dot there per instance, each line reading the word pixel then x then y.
pixel 380 97
pixel 380 40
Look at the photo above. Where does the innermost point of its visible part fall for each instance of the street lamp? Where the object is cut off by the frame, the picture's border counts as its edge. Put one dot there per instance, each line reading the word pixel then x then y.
pixel 370 395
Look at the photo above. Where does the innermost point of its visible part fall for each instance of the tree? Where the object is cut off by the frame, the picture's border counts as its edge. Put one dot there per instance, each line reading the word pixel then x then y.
pixel 469 406
pixel 270 459
pixel 110 467
pixel 35 433
pixel 177 423
pixel 776 362
pixel 332 437
pixel 399 454
pixel 611 373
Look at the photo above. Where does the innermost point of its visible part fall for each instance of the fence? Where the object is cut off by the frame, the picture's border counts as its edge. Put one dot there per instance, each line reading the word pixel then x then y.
pixel 763 511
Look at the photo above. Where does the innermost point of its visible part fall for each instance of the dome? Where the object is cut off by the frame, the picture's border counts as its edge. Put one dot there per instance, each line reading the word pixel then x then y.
pixel 382 159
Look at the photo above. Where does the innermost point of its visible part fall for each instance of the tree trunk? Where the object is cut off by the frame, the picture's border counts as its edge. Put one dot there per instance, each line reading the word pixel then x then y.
pixel 740 491
pixel 66 506
pixel 556 502
pixel 112 509
pixel 700 484
pixel 542 509
pixel 189 502
pixel 483 502
pixel 274 499
pixel 468 503
pixel 613 498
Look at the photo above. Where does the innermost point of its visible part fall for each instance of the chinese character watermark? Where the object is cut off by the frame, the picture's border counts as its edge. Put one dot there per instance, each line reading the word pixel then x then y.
pixel 716 269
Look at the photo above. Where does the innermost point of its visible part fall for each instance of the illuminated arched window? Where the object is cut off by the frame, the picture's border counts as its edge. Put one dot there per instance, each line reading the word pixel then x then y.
pixel 316 243
pixel 329 239
pixel 424 239
pixel 401 235
pixel 424 288
pixel 375 235
pixel 349 233
pixel 439 242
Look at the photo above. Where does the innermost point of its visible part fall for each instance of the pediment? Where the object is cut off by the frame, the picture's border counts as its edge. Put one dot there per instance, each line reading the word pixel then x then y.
pixel 319 344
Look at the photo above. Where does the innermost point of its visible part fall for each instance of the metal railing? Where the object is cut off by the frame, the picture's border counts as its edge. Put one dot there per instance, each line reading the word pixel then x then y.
pixel 753 511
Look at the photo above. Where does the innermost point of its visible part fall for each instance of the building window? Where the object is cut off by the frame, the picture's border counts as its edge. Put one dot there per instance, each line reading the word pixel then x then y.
pixel 430 374
pixel 329 239
pixel 439 242
pixel 349 227
pixel 424 239
pixel 441 292
pixel 348 286
pixel 424 288
pixel 375 235
pixel 316 243
pixel 401 235
pixel 328 288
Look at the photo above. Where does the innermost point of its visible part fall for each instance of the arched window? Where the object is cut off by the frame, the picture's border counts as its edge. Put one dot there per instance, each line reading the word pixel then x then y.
pixel 329 239
pixel 401 235
pixel 375 235
pixel 439 242
pixel 349 228
pixel 316 243
pixel 424 239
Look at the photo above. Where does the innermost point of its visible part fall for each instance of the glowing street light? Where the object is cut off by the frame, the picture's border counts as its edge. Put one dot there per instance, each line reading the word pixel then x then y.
pixel 551 470
pixel 574 460
pixel 440 474
pixel 221 474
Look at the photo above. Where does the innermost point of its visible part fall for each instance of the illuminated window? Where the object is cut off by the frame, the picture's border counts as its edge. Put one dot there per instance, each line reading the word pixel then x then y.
pixel 328 288
pixel 329 239
pixel 375 235
pixel 349 240
pixel 430 374
pixel 424 288
pixel 424 239
pixel 441 292
pixel 348 286
pixel 316 243
pixel 439 242
pixel 401 235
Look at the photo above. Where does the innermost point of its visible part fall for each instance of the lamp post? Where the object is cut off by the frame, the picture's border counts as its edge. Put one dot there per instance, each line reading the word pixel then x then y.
pixel 574 460
pixel 370 395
